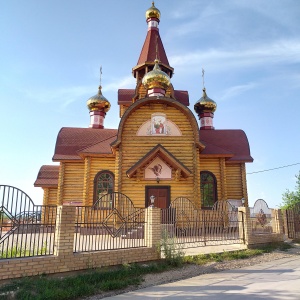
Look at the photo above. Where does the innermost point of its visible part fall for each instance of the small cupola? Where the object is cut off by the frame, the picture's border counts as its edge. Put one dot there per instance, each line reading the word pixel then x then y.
pixel 98 106
pixel 205 108
pixel 152 13
pixel 156 82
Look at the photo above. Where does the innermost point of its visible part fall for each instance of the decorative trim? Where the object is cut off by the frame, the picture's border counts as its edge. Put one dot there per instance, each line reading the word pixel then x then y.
pixel 165 155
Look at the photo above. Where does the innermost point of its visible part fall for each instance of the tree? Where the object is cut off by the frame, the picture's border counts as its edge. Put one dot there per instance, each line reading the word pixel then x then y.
pixel 291 199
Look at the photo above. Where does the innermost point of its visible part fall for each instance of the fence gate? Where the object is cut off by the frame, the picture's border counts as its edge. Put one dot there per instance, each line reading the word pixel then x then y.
pixel 293 222
pixel 26 229
pixel 194 227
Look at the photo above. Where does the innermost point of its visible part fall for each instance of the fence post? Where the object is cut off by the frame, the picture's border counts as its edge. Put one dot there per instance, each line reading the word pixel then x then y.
pixel 153 226
pixel 244 224
pixel 64 232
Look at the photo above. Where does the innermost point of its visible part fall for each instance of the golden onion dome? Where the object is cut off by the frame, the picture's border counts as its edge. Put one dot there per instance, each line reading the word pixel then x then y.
pixel 205 104
pixel 152 12
pixel 98 102
pixel 156 78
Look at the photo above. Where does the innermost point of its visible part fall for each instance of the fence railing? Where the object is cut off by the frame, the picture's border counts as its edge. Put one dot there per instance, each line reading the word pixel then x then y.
pixel 119 226
pixel 292 216
pixel 26 229
pixel 194 227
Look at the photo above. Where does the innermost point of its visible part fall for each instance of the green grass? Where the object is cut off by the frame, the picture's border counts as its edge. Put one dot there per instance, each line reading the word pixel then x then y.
pixel 241 254
pixel 18 251
pixel 96 281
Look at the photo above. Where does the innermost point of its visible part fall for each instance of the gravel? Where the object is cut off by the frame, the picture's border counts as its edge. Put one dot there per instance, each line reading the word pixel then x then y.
pixel 191 270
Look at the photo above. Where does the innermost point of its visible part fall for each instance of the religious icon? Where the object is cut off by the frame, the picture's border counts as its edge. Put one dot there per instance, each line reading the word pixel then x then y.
pixel 159 123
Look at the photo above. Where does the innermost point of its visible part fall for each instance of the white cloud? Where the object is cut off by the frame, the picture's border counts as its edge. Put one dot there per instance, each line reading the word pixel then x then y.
pixel 65 96
pixel 236 90
pixel 125 82
pixel 281 51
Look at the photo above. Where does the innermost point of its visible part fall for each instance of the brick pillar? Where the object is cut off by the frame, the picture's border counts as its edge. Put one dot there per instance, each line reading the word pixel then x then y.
pixel 244 224
pixel 277 219
pixel 152 226
pixel 64 232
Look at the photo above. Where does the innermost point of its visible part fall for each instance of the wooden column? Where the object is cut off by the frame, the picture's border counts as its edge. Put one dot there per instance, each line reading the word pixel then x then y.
pixel 60 190
pixel 86 182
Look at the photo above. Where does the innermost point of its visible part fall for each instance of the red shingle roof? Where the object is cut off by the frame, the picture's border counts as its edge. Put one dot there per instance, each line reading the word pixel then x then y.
pixel 72 141
pixel 47 176
pixel 182 97
pixel 231 143
pixel 125 96
pixel 148 53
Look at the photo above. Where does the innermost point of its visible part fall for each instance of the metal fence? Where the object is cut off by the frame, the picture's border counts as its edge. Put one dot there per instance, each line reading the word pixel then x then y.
pixel 293 222
pixel 193 227
pixel 261 218
pixel 111 223
pixel 26 229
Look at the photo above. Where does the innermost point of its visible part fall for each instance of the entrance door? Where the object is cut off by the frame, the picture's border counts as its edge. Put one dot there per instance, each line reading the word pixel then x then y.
pixel 161 194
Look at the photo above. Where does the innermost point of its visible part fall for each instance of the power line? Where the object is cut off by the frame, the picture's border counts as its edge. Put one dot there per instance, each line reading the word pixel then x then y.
pixel 274 168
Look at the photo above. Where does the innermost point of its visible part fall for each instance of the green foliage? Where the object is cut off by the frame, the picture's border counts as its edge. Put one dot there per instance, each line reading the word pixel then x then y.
pixel 18 251
pixel 172 251
pixel 291 198
pixel 97 280
pixel 90 283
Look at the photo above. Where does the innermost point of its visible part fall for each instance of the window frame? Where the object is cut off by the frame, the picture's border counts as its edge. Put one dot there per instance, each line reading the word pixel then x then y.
pixel 214 189
pixel 110 191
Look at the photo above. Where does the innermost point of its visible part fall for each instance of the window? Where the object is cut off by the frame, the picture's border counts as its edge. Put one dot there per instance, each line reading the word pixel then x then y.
pixel 104 185
pixel 208 187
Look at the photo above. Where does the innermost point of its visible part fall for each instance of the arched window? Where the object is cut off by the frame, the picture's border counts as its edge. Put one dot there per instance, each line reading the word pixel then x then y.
pixel 103 184
pixel 208 187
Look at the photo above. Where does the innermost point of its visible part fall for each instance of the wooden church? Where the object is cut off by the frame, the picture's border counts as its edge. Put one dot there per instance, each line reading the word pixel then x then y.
pixel 158 149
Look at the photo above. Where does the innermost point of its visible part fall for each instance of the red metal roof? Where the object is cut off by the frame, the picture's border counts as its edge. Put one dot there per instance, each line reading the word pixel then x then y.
pixel 182 97
pixel 47 176
pixel 72 141
pixel 125 96
pixel 148 53
pixel 231 143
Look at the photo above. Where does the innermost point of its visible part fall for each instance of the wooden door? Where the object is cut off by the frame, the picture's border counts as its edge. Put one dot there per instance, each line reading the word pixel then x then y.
pixel 162 196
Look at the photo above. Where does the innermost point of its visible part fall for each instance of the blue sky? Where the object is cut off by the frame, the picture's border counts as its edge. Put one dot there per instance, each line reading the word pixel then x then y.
pixel 51 51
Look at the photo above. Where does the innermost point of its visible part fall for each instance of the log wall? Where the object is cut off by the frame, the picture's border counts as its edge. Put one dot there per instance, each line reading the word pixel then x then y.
pixel 134 147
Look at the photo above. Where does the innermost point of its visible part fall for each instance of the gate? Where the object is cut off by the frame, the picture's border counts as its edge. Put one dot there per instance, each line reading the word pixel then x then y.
pixel 111 223
pixel 293 222
pixel 26 229
pixel 194 227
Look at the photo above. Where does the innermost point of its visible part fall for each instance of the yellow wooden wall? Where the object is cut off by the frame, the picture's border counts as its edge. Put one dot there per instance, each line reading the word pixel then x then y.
pixel 50 196
pixel 133 148
pixel 213 165
pixel 234 181
pixel 70 182
pixel 231 178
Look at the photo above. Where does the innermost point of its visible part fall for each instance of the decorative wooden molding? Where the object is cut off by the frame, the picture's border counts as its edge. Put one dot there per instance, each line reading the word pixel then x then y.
pixel 223 179
pixel 86 186
pixel 60 190
pixel 244 183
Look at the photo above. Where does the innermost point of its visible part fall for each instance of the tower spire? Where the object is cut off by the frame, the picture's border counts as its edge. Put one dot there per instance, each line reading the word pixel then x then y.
pixel 152 47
